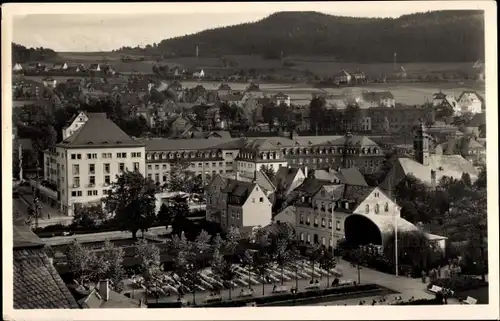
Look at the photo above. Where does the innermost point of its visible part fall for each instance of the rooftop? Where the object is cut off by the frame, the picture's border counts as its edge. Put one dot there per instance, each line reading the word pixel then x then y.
pixel 91 134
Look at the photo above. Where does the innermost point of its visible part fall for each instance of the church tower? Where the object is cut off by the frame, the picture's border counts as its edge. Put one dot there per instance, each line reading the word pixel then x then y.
pixel 421 145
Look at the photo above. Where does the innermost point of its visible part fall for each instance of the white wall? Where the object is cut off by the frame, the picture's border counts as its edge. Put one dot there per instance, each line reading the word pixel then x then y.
pixel 254 212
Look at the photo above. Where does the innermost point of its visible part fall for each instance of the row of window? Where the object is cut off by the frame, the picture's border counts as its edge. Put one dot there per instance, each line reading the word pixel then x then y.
pixel 332 150
pixel 90 193
pixel 106 168
pixel 316 222
pixel 235 215
pixel 107 155
pixel 305 237
pixel 185 155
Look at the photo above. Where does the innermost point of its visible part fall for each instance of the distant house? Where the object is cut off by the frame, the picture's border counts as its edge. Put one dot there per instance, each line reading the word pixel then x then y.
pixel 107 69
pixel 377 99
pixel 49 82
pixel 59 66
pixel 34 67
pixel 470 102
pixel 253 91
pixel 17 68
pixel 224 90
pixel 281 99
pixel 177 71
pixel 179 124
pixel 81 68
pixel 342 78
pixel 441 99
pixel 467 147
pixel 75 123
pixel 401 73
pixel 199 73
pixel 358 77
pixel 95 67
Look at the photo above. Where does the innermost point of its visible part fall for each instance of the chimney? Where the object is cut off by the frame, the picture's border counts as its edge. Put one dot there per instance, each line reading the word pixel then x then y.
pixel 104 289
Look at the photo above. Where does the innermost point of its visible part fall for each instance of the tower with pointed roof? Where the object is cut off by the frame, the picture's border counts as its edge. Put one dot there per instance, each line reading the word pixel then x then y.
pixel 421 145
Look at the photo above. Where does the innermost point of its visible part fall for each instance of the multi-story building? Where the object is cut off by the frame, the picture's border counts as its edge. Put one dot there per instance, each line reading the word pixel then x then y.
pixel 235 203
pixel 256 153
pixel 371 99
pixel 83 165
pixel 323 209
pixel 398 119
pixel 281 99
pixel 205 157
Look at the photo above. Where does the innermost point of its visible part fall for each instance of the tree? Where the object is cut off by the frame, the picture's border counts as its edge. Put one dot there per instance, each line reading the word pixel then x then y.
pixel 89 216
pixel 80 261
pixel 148 255
pixel 444 111
pixel 281 255
pixel 327 262
pixel 113 255
pixel 179 210
pixel 317 109
pixel 314 252
pixel 222 267
pixel 467 220
pixel 195 250
pixel 414 249
pixel 247 261
pixel 352 115
pixel 132 200
pixel 261 265
pixel 269 171
pixel 481 179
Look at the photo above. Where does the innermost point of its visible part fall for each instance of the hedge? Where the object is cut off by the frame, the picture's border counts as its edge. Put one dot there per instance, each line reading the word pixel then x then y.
pixel 459 283
pixel 435 301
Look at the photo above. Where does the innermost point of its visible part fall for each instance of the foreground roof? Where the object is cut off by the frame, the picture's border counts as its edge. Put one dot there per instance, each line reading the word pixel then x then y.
pixel 37 285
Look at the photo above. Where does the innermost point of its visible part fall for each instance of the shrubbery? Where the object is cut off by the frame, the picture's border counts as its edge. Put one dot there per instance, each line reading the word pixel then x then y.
pixel 459 283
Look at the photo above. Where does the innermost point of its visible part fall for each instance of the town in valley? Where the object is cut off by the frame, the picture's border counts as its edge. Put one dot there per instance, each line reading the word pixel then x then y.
pixel 239 168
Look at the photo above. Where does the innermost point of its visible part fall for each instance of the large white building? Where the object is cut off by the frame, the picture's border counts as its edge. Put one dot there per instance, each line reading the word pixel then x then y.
pixel 83 166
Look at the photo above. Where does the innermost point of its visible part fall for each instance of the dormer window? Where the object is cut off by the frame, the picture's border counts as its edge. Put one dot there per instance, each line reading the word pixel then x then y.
pixel 148 156
pixel 171 155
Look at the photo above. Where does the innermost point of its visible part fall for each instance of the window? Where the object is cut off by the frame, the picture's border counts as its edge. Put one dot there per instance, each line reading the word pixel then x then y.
pixel 337 225
pixel 92 156
pixel 302 237
pixel 121 155
pixel 323 241
pixel 164 178
pixel 301 219
pixel 214 164
pixel 106 155
pixel 136 166
pixel 316 221
pixel 150 176
pixel 76 169
pixel 73 193
pixel 76 181
pixel 89 193
pixel 221 164
pixel 200 165
pixel 377 208
pixel 91 168
pixel 73 156
pixel 386 207
pixel 323 222
pixel 309 238
pixel 150 167
pixel 157 177
pixel 107 179
pixel 136 155
pixel 261 199
pixel 329 223
pixel 104 192
pixel 157 166
pixel 121 167
pixel 91 180
pixel 308 221
pixel 164 166
pixel 107 168
pixel 367 208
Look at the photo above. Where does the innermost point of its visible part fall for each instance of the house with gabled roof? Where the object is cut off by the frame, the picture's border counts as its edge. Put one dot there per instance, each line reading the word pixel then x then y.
pixel 89 160
pixel 95 67
pixel 199 73
pixel 72 125
pixel 253 91
pixel 17 67
pixel 236 203
pixel 281 99
pixel 371 99
pixel 286 179
pixel 470 102
pixel 59 66
pixel 342 78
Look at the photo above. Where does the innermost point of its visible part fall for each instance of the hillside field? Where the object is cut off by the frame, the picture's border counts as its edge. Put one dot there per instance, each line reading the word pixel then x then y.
pixel 320 66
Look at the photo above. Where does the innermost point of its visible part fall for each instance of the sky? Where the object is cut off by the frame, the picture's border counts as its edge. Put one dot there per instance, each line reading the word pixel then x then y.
pixel 87 31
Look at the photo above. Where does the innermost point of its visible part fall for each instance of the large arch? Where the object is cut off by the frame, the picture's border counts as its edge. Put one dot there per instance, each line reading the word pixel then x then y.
pixel 361 230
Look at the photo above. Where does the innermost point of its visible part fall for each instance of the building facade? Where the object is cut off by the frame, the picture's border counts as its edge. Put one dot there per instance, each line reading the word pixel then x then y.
pixel 84 165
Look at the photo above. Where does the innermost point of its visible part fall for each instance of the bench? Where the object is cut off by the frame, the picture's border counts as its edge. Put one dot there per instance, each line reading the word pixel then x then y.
pixel 469 300
pixel 435 289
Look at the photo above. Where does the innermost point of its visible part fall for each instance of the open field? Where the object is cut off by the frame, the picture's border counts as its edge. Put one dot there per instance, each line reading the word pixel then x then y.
pixel 321 66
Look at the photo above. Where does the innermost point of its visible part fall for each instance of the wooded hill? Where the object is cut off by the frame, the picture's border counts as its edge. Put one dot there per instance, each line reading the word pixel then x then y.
pixel 21 54
pixel 439 36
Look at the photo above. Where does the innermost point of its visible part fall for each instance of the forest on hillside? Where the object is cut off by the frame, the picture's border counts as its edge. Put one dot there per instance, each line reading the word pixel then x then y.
pixel 21 54
pixel 440 36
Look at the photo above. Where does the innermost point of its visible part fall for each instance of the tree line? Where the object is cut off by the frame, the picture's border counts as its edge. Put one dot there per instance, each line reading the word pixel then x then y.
pixel 21 54
pixel 440 36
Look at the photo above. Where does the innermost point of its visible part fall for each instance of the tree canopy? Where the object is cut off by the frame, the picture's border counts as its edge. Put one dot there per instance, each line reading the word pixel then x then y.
pixel 439 36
